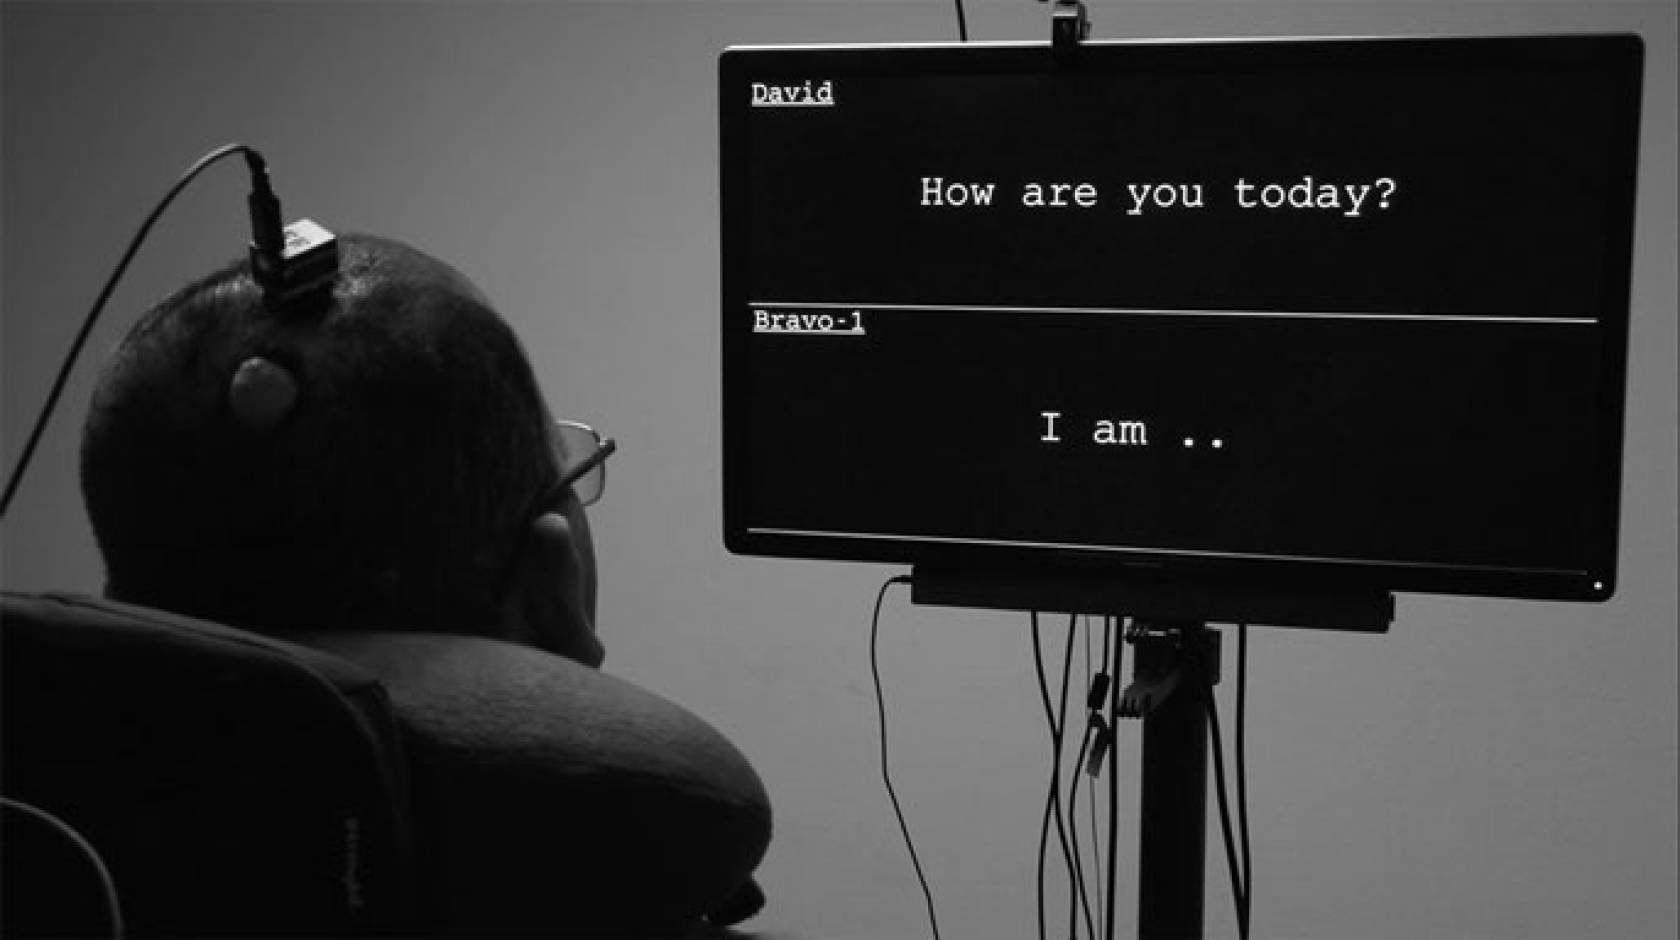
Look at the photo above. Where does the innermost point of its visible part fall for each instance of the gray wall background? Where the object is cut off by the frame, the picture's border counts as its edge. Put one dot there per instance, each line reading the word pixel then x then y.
pixel 1490 769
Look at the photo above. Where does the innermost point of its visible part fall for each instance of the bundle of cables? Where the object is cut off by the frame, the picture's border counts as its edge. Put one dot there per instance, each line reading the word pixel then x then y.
pixel 1091 887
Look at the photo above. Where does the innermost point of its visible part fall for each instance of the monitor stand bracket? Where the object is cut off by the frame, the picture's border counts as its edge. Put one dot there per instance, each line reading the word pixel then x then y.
pixel 1070 25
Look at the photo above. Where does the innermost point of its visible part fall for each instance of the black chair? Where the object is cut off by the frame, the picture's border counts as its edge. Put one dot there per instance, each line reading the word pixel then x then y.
pixel 365 783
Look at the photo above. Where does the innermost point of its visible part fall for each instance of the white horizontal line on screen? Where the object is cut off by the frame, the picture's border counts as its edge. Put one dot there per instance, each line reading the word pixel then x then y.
pixel 1168 312
pixel 1125 550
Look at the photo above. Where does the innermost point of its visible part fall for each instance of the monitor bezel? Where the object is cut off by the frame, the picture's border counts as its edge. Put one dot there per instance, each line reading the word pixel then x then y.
pixel 1619 55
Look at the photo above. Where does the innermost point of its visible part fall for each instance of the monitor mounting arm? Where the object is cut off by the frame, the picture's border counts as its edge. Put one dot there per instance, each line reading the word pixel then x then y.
pixel 1070 25
pixel 1168 654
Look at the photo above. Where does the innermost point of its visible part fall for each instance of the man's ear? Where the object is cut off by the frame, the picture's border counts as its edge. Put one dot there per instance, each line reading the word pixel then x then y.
pixel 547 599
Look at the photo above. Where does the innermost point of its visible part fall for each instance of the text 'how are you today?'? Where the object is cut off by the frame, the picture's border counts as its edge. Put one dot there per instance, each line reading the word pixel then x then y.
pixel 1307 193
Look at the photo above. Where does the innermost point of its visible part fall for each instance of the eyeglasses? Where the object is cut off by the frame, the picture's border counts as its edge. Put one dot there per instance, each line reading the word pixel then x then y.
pixel 583 457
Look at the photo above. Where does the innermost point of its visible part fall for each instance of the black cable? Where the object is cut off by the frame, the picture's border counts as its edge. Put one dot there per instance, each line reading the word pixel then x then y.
pixel 67 834
pixel 1060 740
pixel 1073 826
pixel 886 776
pixel 1239 893
pixel 1093 720
pixel 1043 843
pixel 1078 898
pixel 1044 820
pixel 1242 771
pixel 258 170
pixel 1091 780
pixel 1053 803
pixel 1114 633
pixel 962 22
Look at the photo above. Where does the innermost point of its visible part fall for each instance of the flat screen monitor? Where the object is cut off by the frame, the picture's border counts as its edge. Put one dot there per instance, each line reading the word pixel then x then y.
pixel 1338 313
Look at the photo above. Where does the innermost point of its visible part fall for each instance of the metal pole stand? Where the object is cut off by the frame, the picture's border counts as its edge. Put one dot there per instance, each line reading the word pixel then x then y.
pixel 1174 667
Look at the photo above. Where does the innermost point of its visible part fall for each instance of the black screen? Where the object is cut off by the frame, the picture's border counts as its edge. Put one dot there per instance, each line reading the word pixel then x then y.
pixel 1318 311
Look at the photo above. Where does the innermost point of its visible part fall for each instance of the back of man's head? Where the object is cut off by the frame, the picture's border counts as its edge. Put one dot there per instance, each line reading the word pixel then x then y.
pixel 362 461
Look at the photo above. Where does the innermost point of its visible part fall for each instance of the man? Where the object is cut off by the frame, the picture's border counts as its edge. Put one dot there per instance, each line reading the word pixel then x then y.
pixel 373 461
pixel 370 467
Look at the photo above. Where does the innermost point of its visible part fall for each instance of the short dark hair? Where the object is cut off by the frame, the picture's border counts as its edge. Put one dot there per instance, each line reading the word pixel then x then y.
pixel 389 496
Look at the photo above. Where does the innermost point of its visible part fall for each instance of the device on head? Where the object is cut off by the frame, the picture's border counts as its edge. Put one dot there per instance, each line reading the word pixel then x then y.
pixel 1335 314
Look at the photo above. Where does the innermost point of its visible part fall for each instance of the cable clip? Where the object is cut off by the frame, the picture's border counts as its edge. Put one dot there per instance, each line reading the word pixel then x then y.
pixel 1099 692
pixel 1102 739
